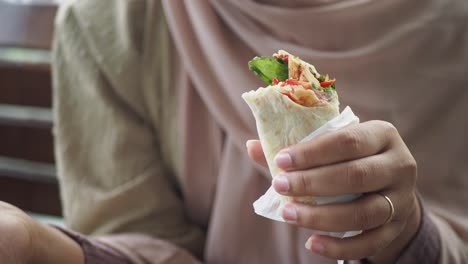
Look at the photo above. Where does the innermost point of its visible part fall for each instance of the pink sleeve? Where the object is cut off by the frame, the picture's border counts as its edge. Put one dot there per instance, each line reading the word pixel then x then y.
pixel 129 249
pixel 435 242
pixel 425 246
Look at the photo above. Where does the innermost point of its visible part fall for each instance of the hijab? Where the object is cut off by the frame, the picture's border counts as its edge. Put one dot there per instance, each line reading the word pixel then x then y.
pixel 387 58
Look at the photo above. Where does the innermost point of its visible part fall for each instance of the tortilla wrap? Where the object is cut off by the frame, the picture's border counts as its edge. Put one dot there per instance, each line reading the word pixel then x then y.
pixel 282 122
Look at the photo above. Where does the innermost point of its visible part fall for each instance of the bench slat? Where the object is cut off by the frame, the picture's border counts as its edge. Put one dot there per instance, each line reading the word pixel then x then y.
pixel 28 170
pixel 28 116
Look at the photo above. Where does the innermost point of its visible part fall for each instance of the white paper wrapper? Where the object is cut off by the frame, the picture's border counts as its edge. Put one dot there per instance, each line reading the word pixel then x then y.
pixel 269 205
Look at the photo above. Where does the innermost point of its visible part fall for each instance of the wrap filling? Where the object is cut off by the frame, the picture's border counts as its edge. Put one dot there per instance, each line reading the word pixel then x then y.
pixel 295 78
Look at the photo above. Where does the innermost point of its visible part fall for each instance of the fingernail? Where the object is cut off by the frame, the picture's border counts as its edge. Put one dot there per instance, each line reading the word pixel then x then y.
pixel 281 183
pixel 249 143
pixel 315 246
pixel 283 160
pixel 308 244
pixel 289 213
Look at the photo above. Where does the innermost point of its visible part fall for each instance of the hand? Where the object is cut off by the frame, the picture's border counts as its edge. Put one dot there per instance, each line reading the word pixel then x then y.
pixel 26 241
pixel 16 235
pixel 369 158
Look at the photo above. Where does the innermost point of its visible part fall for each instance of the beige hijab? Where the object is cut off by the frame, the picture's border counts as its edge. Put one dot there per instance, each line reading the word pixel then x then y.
pixel 391 60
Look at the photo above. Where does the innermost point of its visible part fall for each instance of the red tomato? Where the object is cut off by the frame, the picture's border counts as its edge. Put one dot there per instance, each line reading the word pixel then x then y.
pixel 292 82
pixel 327 83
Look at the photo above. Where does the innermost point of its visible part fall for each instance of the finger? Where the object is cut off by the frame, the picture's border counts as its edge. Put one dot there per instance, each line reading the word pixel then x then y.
pixel 361 246
pixel 255 151
pixel 367 212
pixel 345 144
pixel 358 176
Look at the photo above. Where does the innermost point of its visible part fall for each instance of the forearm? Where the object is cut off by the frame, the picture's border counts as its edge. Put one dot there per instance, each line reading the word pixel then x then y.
pixel 129 248
pixel 51 246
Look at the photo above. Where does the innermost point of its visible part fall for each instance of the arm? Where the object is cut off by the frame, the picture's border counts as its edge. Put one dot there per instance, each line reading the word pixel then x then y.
pixel 112 177
pixel 26 241
pixel 127 249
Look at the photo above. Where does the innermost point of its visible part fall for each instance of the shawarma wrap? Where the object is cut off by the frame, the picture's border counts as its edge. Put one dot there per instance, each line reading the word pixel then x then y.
pixel 297 101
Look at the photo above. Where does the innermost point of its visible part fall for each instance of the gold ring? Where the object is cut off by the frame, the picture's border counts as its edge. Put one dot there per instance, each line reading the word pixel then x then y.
pixel 392 209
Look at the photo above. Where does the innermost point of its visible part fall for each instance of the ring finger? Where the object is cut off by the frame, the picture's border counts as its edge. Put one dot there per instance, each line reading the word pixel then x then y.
pixel 367 212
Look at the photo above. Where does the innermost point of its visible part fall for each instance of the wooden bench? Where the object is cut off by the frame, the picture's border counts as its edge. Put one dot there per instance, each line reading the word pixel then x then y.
pixel 27 173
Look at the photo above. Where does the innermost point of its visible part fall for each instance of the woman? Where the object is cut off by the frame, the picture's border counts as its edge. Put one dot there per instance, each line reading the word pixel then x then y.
pixel 150 133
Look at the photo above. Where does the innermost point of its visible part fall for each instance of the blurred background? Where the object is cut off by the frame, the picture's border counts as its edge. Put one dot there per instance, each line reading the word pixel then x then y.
pixel 27 171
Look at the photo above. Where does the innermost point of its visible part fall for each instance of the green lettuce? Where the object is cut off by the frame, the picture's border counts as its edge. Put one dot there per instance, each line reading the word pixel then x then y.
pixel 268 68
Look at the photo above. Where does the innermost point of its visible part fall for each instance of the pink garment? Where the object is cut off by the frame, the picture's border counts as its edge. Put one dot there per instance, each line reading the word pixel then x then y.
pixel 400 61
pixel 424 248
pixel 363 44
